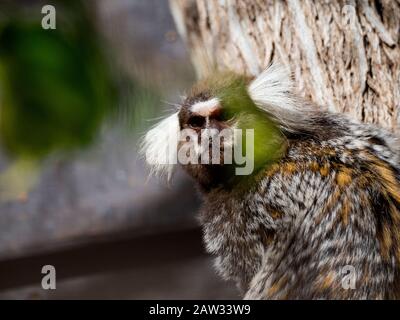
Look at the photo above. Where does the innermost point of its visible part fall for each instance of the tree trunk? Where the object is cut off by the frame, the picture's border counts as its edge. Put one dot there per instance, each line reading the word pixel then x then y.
pixel 344 55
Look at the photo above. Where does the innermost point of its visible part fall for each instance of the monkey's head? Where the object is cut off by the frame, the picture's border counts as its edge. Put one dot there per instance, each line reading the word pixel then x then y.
pixel 218 133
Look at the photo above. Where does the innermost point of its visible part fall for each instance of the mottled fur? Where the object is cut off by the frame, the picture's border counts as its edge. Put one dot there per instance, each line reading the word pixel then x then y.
pixel 333 200
pixel 326 205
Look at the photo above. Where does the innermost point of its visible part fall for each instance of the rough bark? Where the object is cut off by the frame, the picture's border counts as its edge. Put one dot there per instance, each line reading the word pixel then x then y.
pixel 344 55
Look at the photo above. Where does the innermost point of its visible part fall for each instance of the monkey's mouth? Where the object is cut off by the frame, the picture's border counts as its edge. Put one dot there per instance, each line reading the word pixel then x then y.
pixel 212 150
pixel 213 155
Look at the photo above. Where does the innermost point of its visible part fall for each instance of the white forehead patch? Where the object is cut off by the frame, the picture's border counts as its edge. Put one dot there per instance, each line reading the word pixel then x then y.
pixel 206 108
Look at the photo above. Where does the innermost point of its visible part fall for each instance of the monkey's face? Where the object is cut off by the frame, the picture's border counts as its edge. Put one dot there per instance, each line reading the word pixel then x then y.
pixel 206 138
pixel 209 133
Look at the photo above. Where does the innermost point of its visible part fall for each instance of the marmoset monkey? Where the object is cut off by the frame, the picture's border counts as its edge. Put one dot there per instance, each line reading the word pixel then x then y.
pixel 318 217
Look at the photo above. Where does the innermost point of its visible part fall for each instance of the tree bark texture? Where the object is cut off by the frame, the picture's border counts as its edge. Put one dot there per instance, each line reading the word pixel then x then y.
pixel 344 55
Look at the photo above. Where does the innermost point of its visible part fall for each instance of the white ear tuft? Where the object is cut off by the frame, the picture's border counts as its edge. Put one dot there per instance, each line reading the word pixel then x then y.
pixel 159 146
pixel 272 88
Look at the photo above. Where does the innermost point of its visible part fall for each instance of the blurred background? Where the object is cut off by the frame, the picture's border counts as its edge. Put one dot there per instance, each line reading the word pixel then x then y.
pixel 74 194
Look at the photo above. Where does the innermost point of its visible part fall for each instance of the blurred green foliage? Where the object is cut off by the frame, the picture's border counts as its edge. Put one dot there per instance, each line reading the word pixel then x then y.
pixel 139 106
pixel 269 143
pixel 55 85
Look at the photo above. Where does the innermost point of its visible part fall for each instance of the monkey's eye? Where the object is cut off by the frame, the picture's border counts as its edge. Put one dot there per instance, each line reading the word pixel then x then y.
pixel 196 121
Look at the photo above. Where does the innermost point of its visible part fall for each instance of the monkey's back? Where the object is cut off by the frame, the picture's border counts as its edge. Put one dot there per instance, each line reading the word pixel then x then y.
pixel 324 222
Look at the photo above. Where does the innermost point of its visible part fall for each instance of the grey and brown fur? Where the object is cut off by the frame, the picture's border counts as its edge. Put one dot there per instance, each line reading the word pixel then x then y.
pixel 333 200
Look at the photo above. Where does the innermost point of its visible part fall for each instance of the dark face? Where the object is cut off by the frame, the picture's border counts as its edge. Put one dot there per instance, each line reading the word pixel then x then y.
pixel 199 113
pixel 203 112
